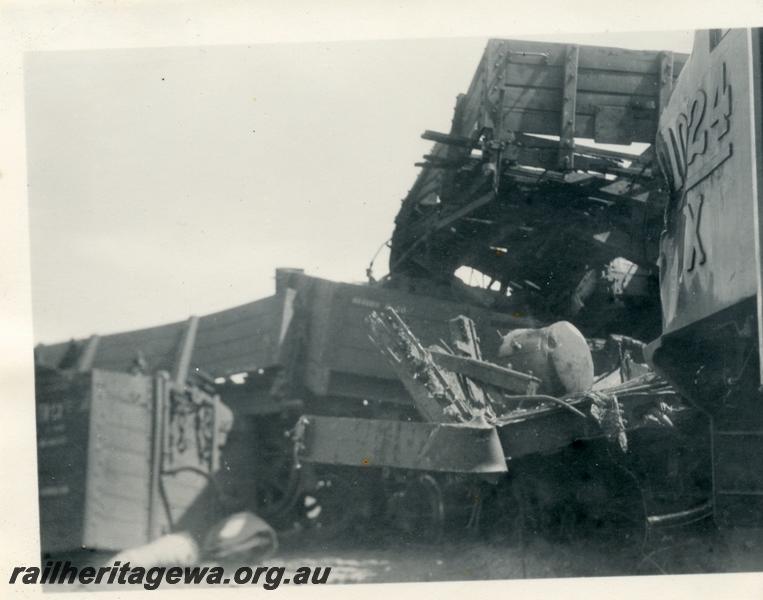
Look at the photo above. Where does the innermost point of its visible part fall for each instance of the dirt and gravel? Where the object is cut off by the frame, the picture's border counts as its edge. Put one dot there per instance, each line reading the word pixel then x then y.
pixel 386 559
pixel 702 549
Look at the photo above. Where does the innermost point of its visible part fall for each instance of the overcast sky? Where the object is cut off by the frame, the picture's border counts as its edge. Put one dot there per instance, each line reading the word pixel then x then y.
pixel 170 182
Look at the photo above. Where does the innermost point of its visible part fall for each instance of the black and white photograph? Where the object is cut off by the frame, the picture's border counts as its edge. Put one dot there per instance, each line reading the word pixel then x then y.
pixel 352 309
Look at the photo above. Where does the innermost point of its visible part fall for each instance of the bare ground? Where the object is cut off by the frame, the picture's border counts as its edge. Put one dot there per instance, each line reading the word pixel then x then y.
pixel 386 559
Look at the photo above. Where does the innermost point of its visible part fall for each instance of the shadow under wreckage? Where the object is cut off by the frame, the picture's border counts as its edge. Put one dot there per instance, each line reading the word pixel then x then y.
pixel 423 404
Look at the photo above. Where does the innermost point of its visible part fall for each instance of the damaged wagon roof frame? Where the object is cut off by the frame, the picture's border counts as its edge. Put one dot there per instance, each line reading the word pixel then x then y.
pixel 510 192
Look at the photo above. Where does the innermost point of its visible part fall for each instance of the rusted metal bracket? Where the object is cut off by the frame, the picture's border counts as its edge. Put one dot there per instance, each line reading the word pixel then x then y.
pixel 569 101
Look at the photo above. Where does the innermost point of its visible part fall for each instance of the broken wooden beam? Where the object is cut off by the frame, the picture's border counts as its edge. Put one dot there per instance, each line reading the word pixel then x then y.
pixel 185 351
pixel 505 379
pixel 466 344
pixel 569 101
pixel 86 359
pixel 449 139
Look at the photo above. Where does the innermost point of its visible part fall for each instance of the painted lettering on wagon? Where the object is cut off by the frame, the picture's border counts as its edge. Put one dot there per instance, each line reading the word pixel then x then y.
pixel 691 147
pixel 697 141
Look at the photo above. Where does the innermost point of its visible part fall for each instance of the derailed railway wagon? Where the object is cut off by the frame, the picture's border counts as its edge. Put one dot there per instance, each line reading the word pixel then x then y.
pixel 428 425
pixel 710 150
pixel 124 457
pixel 559 228
pixel 327 434
pixel 303 349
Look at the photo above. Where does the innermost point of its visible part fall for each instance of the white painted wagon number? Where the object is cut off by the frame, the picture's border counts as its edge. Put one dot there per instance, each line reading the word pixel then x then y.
pixel 697 142
pixel 694 252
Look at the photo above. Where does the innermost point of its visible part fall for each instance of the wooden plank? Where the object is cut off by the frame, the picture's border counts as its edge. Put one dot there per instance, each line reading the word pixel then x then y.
pixel 464 210
pixel 85 362
pixel 569 101
pixel 549 99
pixel 161 335
pixel 466 344
pixel 613 125
pixel 118 352
pixel 596 82
pixel 448 139
pixel 495 375
pixel 158 344
pixel 231 317
pixel 546 158
pixel 428 320
pixel 213 330
pixel 352 385
pixel 517 62
pixel 350 349
pixel 591 57
pixel 185 351
pixel 107 503
pixel 109 491
pixel 50 355
pixel 244 354
pixel 619 59
pixel 111 464
pixel 125 416
pixel 547 123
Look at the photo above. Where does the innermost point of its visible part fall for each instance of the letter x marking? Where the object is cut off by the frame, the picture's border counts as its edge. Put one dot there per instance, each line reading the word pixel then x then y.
pixel 694 251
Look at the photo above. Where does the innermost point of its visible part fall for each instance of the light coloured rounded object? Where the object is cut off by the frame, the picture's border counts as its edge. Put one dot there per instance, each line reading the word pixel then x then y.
pixel 558 355
pixel 240 534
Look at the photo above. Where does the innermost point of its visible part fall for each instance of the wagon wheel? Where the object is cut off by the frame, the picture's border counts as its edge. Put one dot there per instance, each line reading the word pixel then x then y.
pixel 417 511
pixel 620 511
pixel 277 480
pixel 331 506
